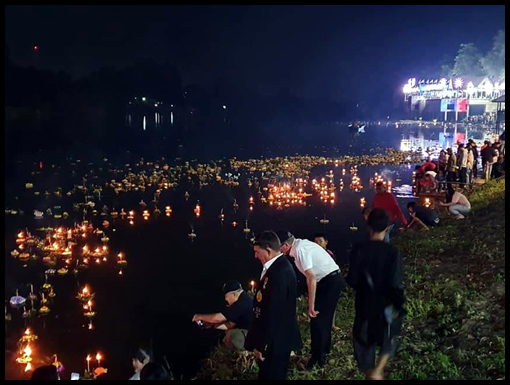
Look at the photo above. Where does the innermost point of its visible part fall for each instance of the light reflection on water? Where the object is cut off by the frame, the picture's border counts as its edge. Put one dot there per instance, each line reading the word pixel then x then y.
pixel 404 191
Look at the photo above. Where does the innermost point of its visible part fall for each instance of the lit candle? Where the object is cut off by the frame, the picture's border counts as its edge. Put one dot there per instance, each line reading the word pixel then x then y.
pixel 88 363
pixel 98 358
pixel 252 283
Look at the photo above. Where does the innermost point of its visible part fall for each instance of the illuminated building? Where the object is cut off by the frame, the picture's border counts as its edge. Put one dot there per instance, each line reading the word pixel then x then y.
pixel 461 97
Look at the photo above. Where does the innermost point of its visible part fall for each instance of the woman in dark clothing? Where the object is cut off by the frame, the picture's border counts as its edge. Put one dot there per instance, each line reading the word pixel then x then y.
pixel 376 276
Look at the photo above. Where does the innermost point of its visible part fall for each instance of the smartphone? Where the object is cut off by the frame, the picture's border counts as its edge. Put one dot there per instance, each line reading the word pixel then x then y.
pixel 75 376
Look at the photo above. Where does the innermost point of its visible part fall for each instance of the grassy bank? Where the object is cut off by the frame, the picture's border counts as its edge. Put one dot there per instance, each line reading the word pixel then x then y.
pixel 455 286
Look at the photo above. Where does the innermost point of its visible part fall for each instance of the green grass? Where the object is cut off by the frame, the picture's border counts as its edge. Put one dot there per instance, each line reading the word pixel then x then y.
pixel 455 288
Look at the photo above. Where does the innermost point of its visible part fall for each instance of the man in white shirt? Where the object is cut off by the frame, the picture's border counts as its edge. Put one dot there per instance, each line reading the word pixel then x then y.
pixel 324 283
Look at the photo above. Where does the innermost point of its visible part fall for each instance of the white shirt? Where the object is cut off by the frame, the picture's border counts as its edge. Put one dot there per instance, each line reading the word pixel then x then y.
pixel 135 377
pixel 460 199
pixel 463 158
pixel 268 265
pixel 309 255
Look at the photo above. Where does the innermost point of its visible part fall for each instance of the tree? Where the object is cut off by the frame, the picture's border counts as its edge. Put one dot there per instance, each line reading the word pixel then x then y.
pixel 468 61
pixel 445 66
pixel 494 62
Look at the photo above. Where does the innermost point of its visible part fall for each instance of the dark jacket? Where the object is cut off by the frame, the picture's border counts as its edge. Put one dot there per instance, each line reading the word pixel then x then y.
pixel 476 155
pixel 275 329
pixel 488 154
pixel 377 277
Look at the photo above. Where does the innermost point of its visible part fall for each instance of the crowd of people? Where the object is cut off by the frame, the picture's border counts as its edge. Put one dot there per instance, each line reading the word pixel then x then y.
pixel 462 166
pixel 265 321
pixel 375 273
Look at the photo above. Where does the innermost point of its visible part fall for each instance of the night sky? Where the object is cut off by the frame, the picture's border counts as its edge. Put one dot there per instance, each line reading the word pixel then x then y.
pixel 335 52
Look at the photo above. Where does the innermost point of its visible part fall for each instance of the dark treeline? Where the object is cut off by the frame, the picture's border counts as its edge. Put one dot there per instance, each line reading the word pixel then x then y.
pixel 50 112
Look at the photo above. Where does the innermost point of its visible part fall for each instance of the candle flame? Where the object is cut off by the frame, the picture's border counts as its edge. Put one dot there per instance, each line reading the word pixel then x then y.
pixel 28 351
pixel 89 357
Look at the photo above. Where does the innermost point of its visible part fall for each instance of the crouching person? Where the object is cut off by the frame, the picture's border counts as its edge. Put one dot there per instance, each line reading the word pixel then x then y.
pixel 236 319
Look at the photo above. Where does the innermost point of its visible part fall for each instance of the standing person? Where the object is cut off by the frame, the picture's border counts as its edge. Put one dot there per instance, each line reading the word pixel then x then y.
pixel 499 168
pixel 376 276
pixel 488 155
pixel 440 180
pixel 442 160
pixel 323 241
pixel 386 201
pixel 476 157
pixel 462 164
pixel 485 145
pixel 458 204
pixel 324 283
pixel 275 332
pixel 451 168
pixel 470 165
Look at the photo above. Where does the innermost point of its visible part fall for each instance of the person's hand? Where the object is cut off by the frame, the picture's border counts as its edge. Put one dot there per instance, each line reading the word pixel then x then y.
pixel 258 355
pixel 196 318
pixel 312 313
pixel 442 204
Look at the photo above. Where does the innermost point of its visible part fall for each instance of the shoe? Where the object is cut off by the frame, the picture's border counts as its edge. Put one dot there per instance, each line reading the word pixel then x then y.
pixel 314 363
pixel 310 365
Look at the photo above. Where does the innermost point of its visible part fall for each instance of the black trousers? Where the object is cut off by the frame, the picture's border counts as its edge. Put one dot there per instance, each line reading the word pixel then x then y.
pixel 275 367
pixel 463 175
pixel 329 290
pixel 451 176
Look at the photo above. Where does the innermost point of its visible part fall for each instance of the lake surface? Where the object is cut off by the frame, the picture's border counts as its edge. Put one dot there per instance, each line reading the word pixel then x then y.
pixel 169 277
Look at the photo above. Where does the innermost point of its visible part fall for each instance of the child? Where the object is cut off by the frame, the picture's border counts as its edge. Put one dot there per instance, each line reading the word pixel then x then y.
pixel 441 181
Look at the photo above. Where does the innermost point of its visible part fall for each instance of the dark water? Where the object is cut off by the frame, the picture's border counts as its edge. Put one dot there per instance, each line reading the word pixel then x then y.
pixel 169 278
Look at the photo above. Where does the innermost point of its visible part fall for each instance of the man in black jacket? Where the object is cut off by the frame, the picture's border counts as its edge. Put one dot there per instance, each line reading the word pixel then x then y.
pixel 275 333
